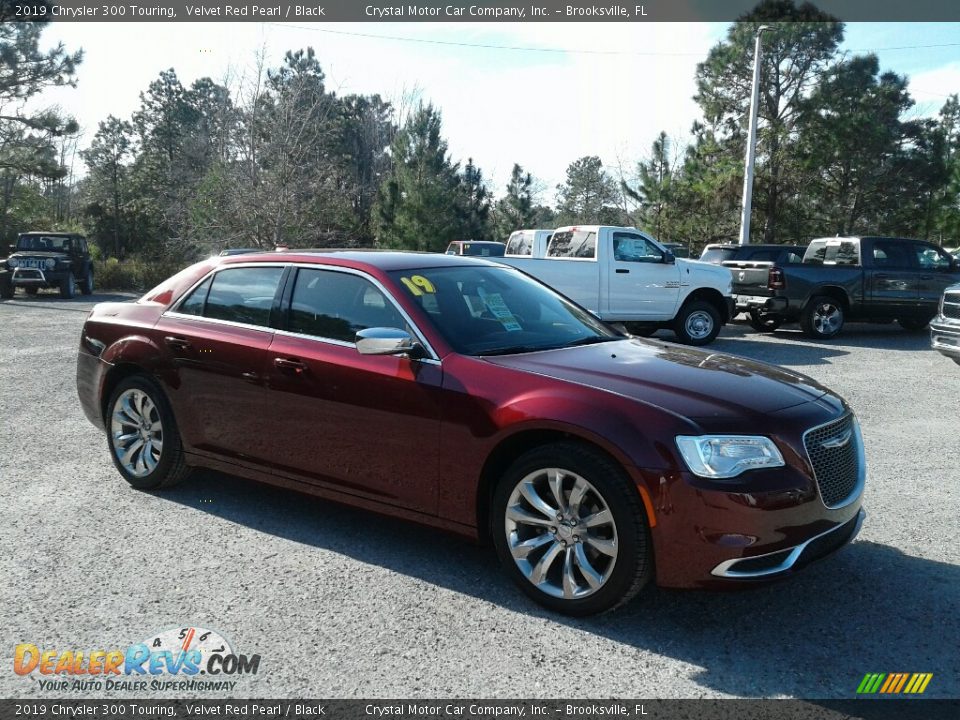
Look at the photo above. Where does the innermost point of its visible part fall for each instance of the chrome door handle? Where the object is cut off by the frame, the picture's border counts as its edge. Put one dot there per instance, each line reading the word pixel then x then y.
pixel 176 343
pixel 290 365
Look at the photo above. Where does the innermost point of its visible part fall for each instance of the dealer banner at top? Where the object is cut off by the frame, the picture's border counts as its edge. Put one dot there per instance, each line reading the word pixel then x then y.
pixel 491 11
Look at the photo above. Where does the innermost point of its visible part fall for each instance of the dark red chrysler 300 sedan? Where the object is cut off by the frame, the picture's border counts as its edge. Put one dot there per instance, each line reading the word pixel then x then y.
pixel 463 394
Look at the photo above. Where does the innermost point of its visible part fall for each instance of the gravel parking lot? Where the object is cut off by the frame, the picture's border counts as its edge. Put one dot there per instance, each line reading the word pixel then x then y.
pixel 341 603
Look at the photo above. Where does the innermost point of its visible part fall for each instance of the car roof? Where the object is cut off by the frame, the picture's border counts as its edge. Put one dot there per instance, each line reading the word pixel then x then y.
pixel 385 260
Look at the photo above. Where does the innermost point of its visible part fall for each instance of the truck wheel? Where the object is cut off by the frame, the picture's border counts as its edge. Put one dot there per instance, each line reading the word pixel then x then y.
pixel 571 530
pixel 697 323
pixel 142 435
pixel 914 324
pixel 6 289
pixel 822 318
pixel 764 323
pixel 68 287
pixel 86 285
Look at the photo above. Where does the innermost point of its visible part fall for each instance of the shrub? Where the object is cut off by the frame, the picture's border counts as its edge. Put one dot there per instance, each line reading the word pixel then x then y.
pixel 134 274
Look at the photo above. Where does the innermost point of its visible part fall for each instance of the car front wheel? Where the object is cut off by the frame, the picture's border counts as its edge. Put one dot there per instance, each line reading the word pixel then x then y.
pixel 86 286
pixel 571 531
pixel 142 435
pixel 68 287
pixel 697 323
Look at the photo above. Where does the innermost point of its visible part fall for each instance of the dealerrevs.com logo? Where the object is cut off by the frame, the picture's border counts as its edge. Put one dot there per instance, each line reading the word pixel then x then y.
pixel 181 659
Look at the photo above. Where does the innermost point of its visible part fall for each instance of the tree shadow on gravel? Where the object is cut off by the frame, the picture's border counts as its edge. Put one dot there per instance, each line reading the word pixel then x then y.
pixel 868 608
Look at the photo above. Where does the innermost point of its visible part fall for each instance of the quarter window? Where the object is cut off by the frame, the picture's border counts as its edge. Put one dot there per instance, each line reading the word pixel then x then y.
pixel 336 305
pixel 242 295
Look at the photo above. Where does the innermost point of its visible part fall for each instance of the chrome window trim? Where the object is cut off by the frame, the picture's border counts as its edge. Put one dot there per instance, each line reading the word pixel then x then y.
pixel 433 359
pixel 726 569
pixel 861 462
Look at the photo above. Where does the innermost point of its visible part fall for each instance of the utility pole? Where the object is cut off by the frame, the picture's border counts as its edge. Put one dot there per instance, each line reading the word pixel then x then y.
pixel 751 145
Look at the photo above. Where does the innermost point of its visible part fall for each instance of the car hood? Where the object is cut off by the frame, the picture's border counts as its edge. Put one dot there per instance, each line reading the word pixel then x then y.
pixel 691 383
pixel 39 254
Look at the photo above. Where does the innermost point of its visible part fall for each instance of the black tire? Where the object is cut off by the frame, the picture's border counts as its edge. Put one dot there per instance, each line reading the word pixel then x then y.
pixel 170 465
pixel 6 289
pixel 697 323
pixel 822 318
pixel 618 579
pixel 764 323
pixel 31 290
pixel 68 287
pixel 914 324
pixel 86 285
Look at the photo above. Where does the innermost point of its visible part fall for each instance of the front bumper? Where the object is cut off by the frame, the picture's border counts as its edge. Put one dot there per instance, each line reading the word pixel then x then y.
pixel 36 277
pixel 782 561
pixel 763 305
pixel 945 337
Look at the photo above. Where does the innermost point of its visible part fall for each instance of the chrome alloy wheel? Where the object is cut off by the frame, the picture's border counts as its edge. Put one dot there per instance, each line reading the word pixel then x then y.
pixel 561 533
pixel 698 325
pixel 827 318
pixel 136 432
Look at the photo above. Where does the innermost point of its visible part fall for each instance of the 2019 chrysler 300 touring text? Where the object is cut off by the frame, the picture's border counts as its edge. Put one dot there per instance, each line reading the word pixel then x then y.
pixel 467 395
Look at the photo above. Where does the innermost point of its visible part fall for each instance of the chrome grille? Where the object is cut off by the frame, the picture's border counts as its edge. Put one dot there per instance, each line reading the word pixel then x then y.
pixel 951 305
pixel 835 454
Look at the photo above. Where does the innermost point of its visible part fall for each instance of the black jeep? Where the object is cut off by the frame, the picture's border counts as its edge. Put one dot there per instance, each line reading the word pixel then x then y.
pixel 47 260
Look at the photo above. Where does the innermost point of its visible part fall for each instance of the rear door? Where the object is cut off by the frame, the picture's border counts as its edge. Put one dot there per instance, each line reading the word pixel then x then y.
pixel 893 277
pixel 364 424
pixel 641 284
pixel 217 339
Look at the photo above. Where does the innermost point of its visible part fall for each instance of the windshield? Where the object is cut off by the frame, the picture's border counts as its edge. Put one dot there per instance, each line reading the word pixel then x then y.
pixel 49 243
pixel 497 311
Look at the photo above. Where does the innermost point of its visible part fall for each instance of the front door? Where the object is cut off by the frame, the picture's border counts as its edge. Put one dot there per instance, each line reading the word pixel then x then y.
pixel 641 284
pixel 363 424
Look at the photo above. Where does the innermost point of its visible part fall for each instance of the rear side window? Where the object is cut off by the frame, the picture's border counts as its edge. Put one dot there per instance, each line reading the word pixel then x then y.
pixel 717 255
pixel 242 295
pixel 337 305
pixel 832 252
pixel 575 244
pixel 891 254
pixel 520 243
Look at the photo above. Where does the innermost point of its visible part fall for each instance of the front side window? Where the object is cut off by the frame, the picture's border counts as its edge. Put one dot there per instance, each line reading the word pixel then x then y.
pixel 337 305
pixel 635 248
pixel 577 244
pixel 931 258
pixel 242 295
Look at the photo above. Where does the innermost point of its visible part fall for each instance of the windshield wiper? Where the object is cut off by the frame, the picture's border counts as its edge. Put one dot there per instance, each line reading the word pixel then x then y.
pixel 514 349
pixel 590 341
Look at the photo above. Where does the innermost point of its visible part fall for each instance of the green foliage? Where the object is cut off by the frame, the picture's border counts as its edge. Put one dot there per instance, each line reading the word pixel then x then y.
pixel 135 274
pixel 589 196
pixel 419 206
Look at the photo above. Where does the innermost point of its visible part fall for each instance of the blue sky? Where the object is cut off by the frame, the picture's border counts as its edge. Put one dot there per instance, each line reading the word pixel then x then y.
pixel 559 98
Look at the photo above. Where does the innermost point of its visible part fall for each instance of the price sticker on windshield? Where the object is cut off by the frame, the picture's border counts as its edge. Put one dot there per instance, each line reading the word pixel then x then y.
pixel 498 308
pixel 418 285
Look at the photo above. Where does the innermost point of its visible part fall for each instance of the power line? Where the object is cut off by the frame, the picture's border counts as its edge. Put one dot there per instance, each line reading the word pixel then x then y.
pixel 572 51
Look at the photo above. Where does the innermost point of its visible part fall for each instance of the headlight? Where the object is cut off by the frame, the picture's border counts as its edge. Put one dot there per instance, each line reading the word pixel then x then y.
pixel 13 262
pixel 726 456
pixel 50 263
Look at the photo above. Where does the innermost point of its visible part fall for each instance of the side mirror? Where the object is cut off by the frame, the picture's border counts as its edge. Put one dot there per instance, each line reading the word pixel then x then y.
pixel 669 258
pixel 386 341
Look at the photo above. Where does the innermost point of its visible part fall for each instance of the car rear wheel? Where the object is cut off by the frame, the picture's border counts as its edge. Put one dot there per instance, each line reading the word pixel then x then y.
pixel 914 324
pixel 86 287
pixel 764 323
pixel 571 531
pixel 68 287
pixel 697 323
pixel 823 318
pixel 142 435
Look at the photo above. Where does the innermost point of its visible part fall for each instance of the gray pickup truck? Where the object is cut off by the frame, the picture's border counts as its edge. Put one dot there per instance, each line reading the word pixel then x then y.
pixel 871 279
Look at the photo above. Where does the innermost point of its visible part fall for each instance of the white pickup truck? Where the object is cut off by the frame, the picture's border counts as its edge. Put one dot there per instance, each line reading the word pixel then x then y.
pixel 623 275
